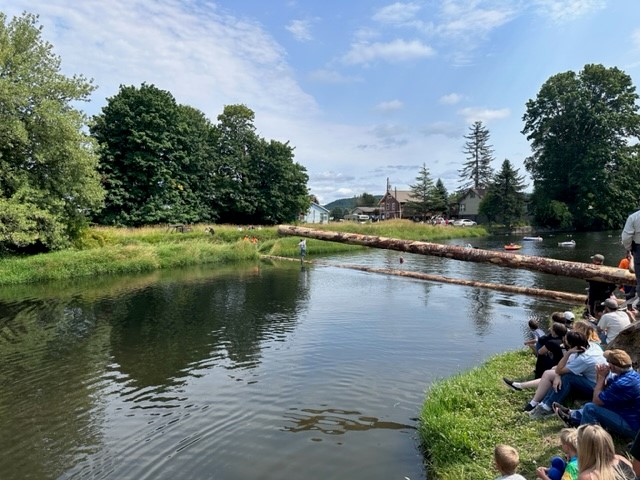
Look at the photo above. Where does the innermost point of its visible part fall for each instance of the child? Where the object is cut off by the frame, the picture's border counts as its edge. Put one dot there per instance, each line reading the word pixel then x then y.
pixel 569 446
pixel 506 460
pixel 537 333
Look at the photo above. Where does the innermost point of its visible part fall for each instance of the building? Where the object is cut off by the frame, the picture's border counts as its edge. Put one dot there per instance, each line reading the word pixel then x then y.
pixel 393 203
pixel 469 204
pixel 315 214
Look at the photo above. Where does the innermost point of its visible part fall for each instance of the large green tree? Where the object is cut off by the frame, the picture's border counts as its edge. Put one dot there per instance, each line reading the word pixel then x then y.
pixel 151 154
pixel 48 178
pixel 477 172
pixel 440 199
pixel 584 130
pixel 422 194
pixel 504 201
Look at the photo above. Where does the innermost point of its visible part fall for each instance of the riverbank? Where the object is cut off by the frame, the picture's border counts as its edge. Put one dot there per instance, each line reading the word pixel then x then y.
pixel 465 416
pixel 113 251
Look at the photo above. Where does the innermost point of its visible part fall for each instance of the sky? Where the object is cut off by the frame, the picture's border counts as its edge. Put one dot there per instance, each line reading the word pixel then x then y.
pixel 365 90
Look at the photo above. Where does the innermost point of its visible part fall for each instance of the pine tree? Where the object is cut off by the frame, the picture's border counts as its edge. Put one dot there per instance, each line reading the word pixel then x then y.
pixel 422 193
pixel 440 199
pixel 504 200
pixel 476 171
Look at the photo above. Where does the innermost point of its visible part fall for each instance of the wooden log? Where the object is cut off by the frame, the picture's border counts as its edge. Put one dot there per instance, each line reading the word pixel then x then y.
pixel 538 292
pixel 585 271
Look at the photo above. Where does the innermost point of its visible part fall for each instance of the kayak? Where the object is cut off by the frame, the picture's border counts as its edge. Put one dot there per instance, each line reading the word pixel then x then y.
pixel 532 239
pixel 570 243
pixel 513 246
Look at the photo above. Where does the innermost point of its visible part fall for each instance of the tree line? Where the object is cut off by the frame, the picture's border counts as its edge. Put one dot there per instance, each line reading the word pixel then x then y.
pixel 144 159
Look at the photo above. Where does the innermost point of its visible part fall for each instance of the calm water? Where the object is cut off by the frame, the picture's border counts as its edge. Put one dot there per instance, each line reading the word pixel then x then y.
pixel 269 371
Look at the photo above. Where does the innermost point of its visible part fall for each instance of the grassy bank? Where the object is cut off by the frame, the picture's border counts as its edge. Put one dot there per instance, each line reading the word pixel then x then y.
pixel 107 250
pixel 465 416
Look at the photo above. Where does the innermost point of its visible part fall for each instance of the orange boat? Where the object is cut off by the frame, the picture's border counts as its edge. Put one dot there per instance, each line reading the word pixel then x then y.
pixel 512 246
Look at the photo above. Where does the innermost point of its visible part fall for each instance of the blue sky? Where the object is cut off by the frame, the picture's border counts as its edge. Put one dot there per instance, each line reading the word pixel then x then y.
pixel 364 90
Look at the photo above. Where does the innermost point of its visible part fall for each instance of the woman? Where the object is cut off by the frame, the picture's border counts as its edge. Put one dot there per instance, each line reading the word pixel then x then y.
pixel 597 459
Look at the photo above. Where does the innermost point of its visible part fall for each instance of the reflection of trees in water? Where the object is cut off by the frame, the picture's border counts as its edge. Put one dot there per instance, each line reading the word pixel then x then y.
pixel 480 308
pixel 167 330
pixel 332 421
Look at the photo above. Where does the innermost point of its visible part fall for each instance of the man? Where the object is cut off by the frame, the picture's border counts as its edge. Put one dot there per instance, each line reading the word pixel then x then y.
pixel 598 291
pixel 616 398
pixel 613 321
pixel 631 242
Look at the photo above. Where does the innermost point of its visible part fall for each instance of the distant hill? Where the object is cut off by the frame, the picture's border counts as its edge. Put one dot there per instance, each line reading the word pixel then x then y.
pixel 348 203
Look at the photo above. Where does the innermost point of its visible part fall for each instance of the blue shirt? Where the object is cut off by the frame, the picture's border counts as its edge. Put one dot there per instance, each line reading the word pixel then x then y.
pixel 622 396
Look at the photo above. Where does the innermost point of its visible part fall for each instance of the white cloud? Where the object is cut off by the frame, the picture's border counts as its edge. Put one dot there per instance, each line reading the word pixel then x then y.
pixel 565 10
pixel 394 51
pixel 331 76
pixel 450 99
pixel 389 106
pixel 446 129
pixel 473 114
pixel 300 29
pixel 397 13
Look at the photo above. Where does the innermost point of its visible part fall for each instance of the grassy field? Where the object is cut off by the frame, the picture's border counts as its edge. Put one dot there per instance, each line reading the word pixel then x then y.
pixel 466 415
pixel 108 250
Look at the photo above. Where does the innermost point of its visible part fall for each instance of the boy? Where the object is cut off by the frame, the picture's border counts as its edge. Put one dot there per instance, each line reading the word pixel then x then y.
pixel 537 333
pixel 506 459
pixel 569 446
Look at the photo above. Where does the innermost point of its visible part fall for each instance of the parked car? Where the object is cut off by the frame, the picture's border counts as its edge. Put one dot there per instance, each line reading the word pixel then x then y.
pixel 464 222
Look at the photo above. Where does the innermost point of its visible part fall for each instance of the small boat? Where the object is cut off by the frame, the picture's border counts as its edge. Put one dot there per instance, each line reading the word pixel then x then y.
pixel 532 239
pixel 512 246
pixel 570 243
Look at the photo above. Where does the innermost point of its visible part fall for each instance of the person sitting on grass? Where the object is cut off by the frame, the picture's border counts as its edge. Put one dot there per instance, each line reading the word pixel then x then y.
pixel 569 446
pixel 575 374
pixel 551 349
pixel 597 459
pixel 506 460
pixel 613 321
pixel 537 333
pixel 616 398
pixel 589 331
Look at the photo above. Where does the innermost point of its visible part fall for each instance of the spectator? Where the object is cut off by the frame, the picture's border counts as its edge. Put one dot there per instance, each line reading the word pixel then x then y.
pixel 613 321
pixel 598 291
pixel 616 398
pixel 631 241
pixel 569 446
pixel 597 459
pixel 506 460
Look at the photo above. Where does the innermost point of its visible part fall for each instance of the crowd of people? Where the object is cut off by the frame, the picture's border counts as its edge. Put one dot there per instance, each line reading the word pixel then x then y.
pixel 588 384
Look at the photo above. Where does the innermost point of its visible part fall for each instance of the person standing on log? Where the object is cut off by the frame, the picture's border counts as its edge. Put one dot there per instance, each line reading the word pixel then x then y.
pixel 598 291
pixel 631 241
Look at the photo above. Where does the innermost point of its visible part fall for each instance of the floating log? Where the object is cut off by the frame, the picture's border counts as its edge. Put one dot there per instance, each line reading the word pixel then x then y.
pixel 538 292
pixel 585 271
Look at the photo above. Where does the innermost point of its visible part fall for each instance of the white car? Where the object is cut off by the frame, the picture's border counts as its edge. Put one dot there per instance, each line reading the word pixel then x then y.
pixel 464 223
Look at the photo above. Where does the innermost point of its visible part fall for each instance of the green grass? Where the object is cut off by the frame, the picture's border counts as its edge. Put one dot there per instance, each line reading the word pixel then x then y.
pixel 110 250
pixel 465 416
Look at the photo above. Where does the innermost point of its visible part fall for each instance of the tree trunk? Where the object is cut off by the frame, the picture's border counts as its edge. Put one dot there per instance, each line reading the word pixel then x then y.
pixel 585 271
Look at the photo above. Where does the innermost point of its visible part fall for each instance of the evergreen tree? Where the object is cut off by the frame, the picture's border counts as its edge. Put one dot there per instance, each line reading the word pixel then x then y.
pixel 440 199
pixel 366 200
pixel 476 171
pixel 504 200
pixel 422 194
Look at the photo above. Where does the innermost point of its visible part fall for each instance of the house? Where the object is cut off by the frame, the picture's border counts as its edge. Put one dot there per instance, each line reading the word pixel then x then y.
pixel 315 214
pixel 469 203
pixel 372 212
pixel 393 203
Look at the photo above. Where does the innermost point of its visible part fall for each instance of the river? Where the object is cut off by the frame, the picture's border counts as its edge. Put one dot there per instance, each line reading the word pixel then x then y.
pixel 270 371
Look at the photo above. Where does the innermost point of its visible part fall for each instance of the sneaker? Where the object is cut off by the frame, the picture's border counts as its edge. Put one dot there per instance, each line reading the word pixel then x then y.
pixel 539 412
pixel 528 407
pixel 565 415
pixel 510 383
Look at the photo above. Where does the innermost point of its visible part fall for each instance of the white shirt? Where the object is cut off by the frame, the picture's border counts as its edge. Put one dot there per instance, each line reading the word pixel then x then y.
pixel 631 230
pixel 613 323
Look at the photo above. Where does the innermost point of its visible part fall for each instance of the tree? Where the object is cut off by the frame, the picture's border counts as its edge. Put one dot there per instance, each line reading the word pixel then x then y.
pixel 440 200
pixel 366 200
pixel 48 178
pixel 337 213
pixel 422 194
pixel 504 200
pixel 151 151
pixel 584 130
pixel 476 171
